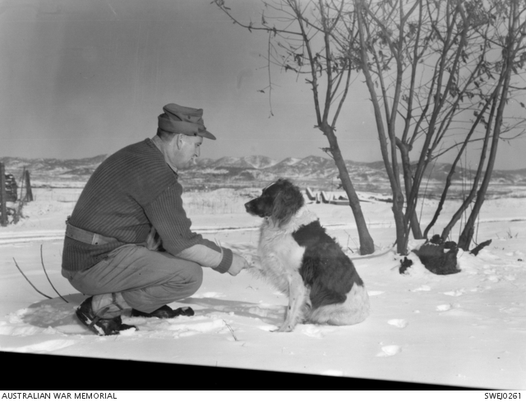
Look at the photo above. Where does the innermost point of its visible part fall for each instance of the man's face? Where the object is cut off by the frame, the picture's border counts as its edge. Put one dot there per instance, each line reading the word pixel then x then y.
pixel 183 150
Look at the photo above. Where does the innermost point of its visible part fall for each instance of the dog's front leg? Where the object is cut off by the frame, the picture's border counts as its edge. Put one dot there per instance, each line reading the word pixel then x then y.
pixel 298 295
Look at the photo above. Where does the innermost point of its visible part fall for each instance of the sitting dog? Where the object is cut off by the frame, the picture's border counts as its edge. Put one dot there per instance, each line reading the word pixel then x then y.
pixel 302 261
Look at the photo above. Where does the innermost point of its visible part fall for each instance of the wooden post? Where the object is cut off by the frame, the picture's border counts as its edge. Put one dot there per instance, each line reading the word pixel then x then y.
pixel 3 197
pixel 22 196
pixel 29 191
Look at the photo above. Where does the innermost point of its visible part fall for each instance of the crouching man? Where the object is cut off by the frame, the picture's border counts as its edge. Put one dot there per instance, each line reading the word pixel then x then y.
pixel 109 252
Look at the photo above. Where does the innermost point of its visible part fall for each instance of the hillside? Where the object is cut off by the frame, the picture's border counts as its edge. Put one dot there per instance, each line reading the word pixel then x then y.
pixel 255 171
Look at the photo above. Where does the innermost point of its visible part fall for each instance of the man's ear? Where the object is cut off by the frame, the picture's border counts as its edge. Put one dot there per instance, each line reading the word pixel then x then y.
pixel 179 140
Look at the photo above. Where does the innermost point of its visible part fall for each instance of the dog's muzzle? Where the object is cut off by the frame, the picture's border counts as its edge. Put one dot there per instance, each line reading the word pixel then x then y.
pixel 249 206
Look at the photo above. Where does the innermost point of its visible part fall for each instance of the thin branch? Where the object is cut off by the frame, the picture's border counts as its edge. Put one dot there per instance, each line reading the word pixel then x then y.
pixel 27 279
pixel 49 280
pixel 250 27
pixel 231 330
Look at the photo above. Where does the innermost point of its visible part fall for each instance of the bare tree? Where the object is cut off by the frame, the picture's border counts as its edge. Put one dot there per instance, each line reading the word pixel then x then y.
pixel 425 62
pixel 302 40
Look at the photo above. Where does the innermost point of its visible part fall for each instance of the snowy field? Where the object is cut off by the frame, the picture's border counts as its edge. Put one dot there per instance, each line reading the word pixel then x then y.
pixel 462 330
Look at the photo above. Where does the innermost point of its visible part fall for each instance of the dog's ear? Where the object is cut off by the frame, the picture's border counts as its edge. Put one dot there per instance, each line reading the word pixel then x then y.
pixel 287 202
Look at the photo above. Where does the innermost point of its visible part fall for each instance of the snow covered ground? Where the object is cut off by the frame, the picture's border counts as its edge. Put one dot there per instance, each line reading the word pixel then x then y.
pixel 462 330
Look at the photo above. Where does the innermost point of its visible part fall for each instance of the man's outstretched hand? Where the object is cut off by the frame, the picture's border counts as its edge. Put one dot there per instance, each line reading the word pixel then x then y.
pixel 238 264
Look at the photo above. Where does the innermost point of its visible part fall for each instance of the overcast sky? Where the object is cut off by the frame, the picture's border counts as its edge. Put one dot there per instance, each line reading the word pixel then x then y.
pixel 80 78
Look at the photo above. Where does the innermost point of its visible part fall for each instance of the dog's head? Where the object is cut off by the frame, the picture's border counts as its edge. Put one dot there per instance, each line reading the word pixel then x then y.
pixel 279 202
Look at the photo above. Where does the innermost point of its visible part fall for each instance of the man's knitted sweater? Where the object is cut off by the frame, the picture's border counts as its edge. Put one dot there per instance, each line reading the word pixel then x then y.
pixel 131 191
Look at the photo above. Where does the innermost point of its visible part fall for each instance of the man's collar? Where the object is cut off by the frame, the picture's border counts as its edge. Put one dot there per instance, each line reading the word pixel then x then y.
pixel 158 142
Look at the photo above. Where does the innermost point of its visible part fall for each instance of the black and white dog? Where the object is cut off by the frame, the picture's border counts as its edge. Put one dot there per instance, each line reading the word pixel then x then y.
pixel 302 261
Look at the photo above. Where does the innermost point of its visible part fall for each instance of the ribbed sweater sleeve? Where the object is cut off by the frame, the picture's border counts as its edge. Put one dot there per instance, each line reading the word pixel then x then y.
pixel 167 215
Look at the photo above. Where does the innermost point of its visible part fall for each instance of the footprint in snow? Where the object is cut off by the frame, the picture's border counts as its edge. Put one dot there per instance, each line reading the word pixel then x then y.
pixel 423 288
pixel 397 322
pixel 458 292
pixel 389 350
pixel 444 307
pixel 493 278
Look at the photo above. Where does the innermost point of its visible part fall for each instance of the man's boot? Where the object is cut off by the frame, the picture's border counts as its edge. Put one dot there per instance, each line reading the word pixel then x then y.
pixel 164 312
pixel 102 314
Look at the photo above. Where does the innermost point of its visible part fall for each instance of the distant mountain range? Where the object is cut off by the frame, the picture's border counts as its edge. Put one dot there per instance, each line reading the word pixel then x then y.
pixel 315 171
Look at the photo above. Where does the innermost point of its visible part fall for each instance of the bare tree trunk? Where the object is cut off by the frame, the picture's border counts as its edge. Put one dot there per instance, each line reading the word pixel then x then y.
pixel 408 183
pixel 3 197
pixel 366 241
pixel 390 166
pixel 469 198
pixel 29 190
pixel 449 179
pixel 469 228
